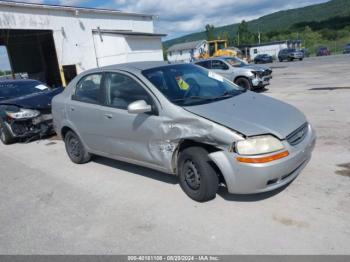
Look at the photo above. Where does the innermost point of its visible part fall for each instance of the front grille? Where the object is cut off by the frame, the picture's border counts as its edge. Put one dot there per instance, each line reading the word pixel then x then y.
pixel 298 135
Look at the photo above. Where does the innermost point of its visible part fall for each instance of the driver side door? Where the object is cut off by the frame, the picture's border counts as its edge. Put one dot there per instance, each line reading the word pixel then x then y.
pixel 126 135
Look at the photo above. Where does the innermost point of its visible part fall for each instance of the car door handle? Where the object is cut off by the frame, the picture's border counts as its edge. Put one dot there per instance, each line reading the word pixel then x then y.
pixel 72 109
pixel 108 116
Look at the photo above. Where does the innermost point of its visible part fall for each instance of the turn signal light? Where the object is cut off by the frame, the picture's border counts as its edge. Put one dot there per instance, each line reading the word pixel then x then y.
pixel 265 159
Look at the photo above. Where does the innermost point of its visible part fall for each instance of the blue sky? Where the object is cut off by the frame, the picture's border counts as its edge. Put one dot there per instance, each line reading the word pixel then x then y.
pixel 180 17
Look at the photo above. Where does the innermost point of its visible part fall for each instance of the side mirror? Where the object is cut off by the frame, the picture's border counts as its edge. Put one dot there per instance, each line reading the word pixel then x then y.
pixel 139 107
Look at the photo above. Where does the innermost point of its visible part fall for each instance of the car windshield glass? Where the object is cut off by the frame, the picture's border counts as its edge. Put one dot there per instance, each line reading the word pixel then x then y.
pixel 236 62
pixel 14 89
pixel 187 85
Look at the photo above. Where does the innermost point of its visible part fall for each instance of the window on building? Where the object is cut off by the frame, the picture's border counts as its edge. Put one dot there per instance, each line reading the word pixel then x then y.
pixel 255 50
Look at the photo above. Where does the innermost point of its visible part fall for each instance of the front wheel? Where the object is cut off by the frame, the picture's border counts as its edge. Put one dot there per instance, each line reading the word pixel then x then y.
pixel 197 177
pixel 5 135
pixel 75 149
pixel 244 83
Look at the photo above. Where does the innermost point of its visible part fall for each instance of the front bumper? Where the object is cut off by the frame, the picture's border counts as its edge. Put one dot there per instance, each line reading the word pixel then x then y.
pixel 256 178
pixel 296 56
pixel 261 82
pixel 26 128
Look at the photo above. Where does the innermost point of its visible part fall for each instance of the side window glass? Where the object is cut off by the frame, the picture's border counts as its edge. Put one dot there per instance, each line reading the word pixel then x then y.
pixel 219 65
pixel 205 64
pixel 88 89
pixel 121 91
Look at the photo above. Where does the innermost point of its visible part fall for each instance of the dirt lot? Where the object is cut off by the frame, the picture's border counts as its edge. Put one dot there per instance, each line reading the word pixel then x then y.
pixel 50 206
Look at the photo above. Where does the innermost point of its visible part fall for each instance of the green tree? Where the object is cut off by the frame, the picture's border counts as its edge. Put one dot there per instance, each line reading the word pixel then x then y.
pixel 244 35
pixel 210 32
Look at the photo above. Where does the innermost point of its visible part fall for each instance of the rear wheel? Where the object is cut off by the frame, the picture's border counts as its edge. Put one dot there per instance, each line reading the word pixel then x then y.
pixel 5 135
pixel 244 83
pixel 197 177
pixel 75 149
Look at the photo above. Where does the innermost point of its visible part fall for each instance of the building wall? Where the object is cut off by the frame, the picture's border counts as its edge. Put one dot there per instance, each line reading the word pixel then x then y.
pixel 116 49
pixel 72 32
pixel 272 50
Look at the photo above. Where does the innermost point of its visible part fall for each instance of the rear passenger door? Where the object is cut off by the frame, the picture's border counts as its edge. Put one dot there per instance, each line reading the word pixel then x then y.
pixel 84 110
pixel 129 136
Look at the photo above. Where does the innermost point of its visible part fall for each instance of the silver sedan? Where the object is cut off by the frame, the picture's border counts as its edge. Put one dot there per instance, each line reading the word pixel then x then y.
pixel 184 120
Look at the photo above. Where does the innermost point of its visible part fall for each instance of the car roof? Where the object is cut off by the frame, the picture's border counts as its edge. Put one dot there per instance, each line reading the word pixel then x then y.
pixel 136 66
pixel 214 58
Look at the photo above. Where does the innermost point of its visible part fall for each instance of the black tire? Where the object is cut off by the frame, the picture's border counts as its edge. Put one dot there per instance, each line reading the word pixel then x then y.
pixel 244 83
pixel 280 59
pixel 75 149
pixel 5 135
pixel 197 177
pixel 300 59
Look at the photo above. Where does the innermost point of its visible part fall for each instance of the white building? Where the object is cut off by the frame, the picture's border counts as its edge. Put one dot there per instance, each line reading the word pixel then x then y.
pixel 54 43
pixel 187 52
pixel 271 48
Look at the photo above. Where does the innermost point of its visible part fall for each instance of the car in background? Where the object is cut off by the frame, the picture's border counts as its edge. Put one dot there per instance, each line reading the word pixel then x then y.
pixel 346 49
pixel 184 120
pixel 290 54
pixel 25 110
pixel 263 59
pixel 245 75
pixel 323 51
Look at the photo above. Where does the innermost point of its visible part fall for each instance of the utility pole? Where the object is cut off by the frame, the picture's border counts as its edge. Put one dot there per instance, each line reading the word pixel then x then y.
pixel 238 38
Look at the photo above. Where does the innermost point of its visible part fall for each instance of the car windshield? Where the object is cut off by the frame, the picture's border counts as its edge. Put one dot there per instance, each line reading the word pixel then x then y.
pixel 13 89
pixel 187 85
pixel 236 62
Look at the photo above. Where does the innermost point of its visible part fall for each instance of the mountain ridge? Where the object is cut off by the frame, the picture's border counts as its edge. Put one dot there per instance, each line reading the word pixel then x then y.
pixel 277 21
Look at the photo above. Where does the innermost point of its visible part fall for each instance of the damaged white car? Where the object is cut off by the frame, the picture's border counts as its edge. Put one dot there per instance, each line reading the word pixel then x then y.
pixel 184 120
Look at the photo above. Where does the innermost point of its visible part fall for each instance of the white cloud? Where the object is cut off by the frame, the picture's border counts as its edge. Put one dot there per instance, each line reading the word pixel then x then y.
pixel 183 16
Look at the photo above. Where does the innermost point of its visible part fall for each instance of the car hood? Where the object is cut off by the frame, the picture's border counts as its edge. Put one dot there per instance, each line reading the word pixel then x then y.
pixel 252 114
pixel 257 68
pixel 34 101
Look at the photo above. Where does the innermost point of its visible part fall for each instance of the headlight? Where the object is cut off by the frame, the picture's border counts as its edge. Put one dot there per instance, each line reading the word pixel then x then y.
pixel 257 74
pixel 23 114
pixel 259 145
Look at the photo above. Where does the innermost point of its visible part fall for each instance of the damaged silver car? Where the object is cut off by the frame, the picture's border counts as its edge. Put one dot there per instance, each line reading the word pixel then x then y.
pixel 184 120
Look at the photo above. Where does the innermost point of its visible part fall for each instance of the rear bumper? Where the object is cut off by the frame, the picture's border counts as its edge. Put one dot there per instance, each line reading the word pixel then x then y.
pixel 256 178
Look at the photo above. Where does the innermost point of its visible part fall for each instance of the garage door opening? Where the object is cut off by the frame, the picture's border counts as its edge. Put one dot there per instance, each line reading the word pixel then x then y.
pixel 32 53
pixel 5 67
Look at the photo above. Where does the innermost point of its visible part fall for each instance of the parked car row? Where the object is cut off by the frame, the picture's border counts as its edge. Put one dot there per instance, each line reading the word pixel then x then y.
pixel 180 119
